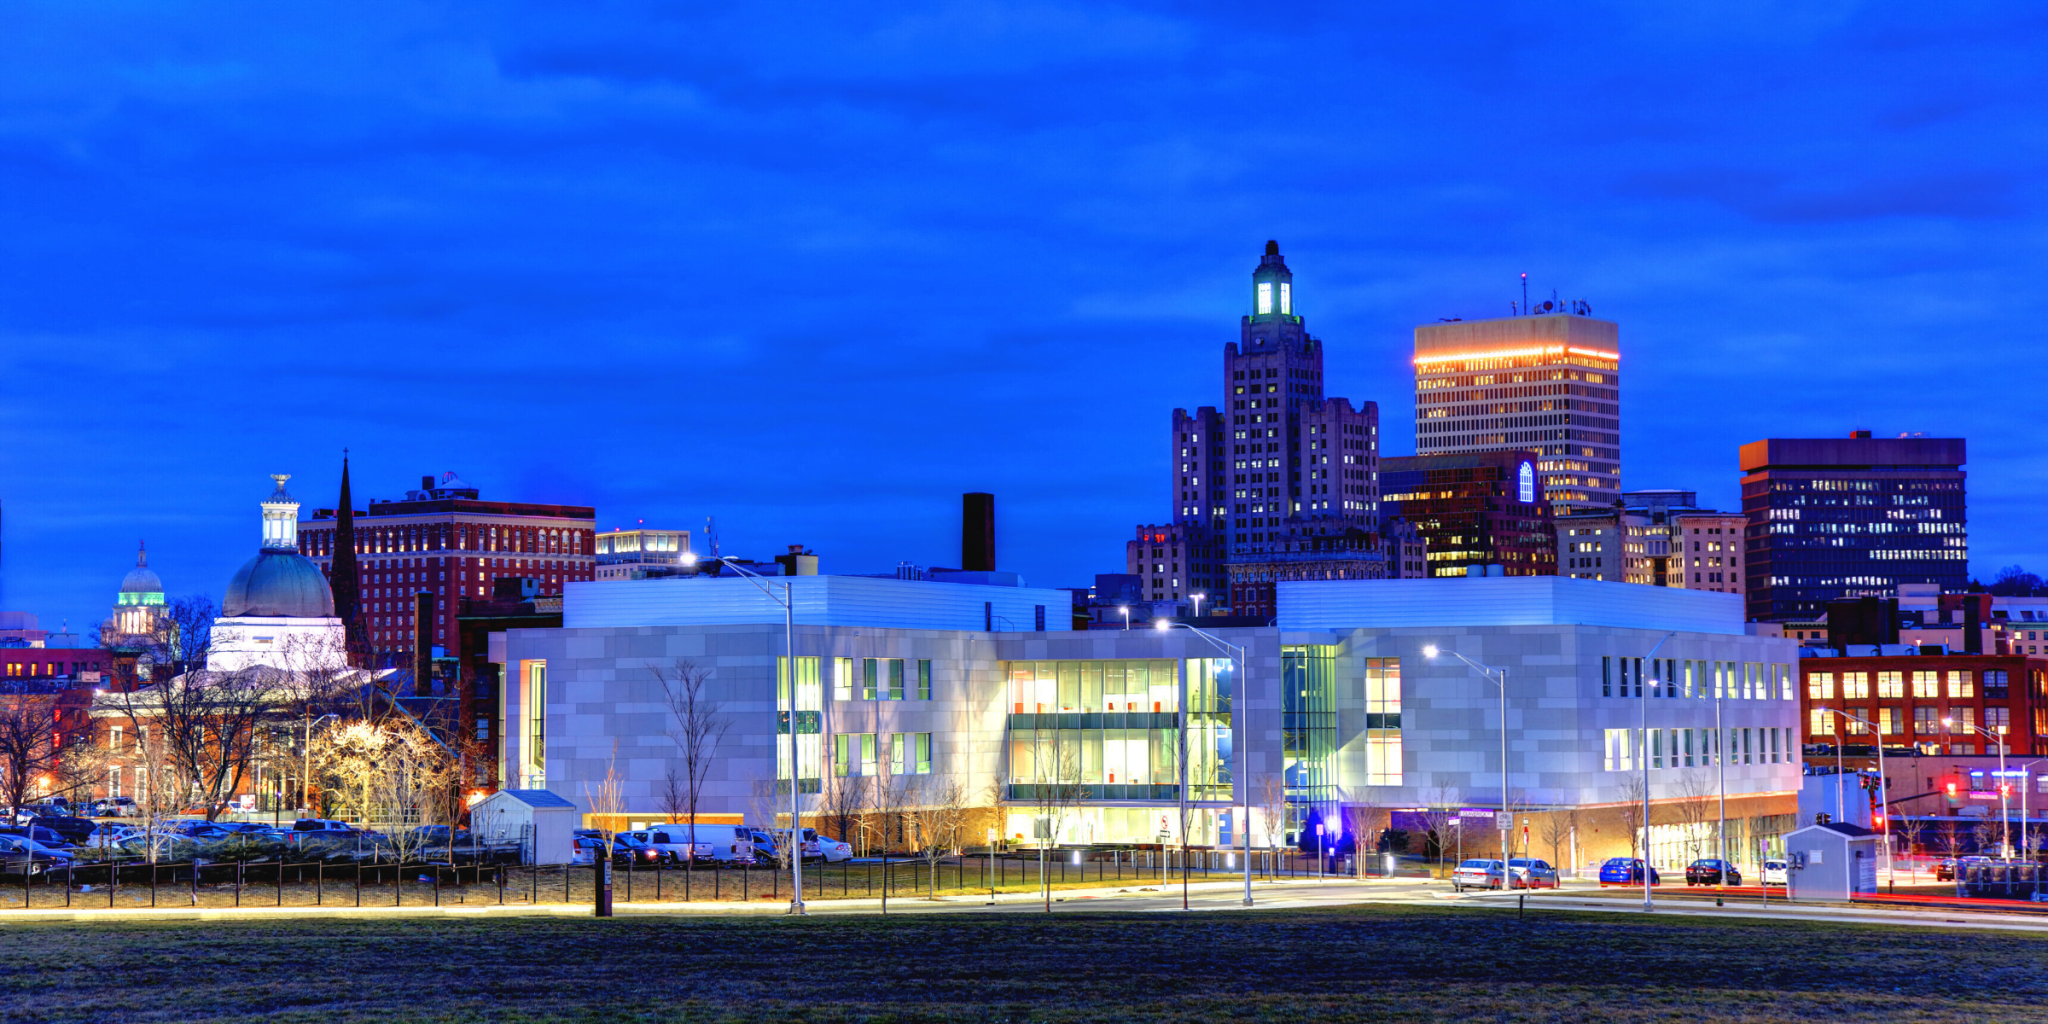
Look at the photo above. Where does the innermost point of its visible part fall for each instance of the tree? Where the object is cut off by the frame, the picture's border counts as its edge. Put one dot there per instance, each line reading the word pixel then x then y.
pixel 1272 800
pixel 1439 811
pixel 1361 820
pixel 608 800
pixel 394 772
pixel 1557 829
pixel 1056 793
pixel 1630 813
pixel 937 822
pixel 1694 809
pixel 698 725
pixel 845 800
pixel 2014 581
pixel 33 750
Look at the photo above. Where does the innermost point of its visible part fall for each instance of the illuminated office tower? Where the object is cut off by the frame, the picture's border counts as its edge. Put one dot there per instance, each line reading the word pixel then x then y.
pixel 1548 383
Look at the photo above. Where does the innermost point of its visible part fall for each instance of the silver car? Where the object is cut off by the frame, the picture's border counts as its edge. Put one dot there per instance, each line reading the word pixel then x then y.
pixel 1477 873
pixel 1529 873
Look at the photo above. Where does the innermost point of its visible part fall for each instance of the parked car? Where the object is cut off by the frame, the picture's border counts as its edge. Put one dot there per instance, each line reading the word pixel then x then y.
pixel 1775 873
pixel 107 833
pixel 41 835
pixel 1626 871
pixel 825 848
pixel 1709 871
pixel 20 853
pixel 1477 873
pixel 74 830
pixel 633 846
pixel 116 807
pixel 586 849
pixel 319 825
pixel 1529 873
pixel 1945 869
pixel 700 842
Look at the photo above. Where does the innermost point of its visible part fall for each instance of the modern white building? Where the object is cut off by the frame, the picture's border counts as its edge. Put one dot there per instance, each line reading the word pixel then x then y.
pixel 920 685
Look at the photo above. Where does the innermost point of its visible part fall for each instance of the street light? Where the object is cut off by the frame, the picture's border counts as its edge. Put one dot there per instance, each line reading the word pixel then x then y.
pixel 1883 793
pixel 1240 738
pixel 1198 603
pixel 2004 809
pixel 1643 730
pixel 1126 609
pixel 796 832
pixel 1506 818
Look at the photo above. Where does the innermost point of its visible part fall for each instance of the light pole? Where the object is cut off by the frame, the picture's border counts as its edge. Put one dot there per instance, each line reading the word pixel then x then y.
pixel 1240 738
pixel 1198 603
pixel 1126 609
pixel 1643 730
pixel 306 777
pixel 1506 819
pixel 1883 793
pixel 2004 809
pixel 788 603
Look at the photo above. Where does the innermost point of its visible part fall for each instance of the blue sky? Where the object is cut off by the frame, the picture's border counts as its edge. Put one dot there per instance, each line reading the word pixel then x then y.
pixel 816 269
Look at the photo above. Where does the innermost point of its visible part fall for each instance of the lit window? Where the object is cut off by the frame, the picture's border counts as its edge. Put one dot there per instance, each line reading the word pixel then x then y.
pixel 1265 297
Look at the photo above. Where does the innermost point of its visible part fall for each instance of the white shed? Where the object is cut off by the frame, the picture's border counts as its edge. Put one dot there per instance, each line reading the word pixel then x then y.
pixel 542 823
pixel 1832 861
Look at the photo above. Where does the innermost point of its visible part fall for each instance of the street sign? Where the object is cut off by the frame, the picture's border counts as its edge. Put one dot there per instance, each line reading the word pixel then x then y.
pixel 1504 821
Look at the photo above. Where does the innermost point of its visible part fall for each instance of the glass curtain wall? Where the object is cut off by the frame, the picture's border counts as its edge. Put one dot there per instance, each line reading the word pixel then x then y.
pixel 1107 729
pixel 810 706
pixel 1212 685
pixel 1308 729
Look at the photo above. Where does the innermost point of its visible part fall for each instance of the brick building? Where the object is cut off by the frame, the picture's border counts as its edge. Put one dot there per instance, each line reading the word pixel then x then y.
pixel 446 543
pixel 1479 508
pixel 1908 696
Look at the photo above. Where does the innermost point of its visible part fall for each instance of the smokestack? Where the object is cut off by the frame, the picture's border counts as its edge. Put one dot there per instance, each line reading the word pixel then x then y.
pixel 978 532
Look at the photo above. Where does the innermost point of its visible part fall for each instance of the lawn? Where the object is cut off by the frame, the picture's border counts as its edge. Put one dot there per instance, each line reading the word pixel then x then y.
pixel 1358 963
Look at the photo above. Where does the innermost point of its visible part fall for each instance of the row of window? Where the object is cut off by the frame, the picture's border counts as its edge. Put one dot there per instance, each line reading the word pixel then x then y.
pixel 854 754
pixel 1694 748
pixel 1925 684
pixel 1673 677
pixel 1927 721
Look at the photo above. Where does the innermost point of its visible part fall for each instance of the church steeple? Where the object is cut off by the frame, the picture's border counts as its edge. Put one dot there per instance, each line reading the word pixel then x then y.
pixel 343 582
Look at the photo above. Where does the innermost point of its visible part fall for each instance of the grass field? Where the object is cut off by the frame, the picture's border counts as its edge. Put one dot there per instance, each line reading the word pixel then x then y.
pixel 1349 964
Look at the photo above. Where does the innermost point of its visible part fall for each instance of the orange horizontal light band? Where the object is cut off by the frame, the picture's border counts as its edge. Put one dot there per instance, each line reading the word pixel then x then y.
pixel 1595 353
pixel 1505 353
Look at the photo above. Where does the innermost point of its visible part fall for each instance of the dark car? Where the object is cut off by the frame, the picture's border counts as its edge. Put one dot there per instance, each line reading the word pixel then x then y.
pixel 1626 871
pixel 1709 871
pixel 46 836
pixel 74 830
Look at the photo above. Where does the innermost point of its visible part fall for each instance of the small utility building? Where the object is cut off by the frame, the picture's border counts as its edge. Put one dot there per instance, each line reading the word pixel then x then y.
pixel 542 823
pixel 1831 861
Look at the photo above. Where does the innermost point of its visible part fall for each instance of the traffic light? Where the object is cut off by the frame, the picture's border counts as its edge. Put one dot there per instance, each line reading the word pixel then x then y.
pixel 1951 791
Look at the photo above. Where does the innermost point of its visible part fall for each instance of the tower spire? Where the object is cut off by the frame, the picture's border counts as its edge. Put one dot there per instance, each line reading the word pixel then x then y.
pixel 344 579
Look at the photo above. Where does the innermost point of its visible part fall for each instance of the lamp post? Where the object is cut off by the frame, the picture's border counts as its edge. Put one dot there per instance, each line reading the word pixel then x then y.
pixel 1240 737
pixel 1126 609
pixel 1506 818
pixel 2026 783
pixel 1198 603
pixel 2004 809
pixel 1883 793
pixel 1643 730
pixel 788 603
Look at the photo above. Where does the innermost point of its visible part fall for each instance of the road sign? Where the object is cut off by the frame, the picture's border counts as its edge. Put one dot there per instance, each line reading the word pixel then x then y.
pixel 1504 821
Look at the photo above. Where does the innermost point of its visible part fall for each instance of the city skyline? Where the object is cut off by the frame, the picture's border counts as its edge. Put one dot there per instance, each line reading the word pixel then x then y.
pixel 430 278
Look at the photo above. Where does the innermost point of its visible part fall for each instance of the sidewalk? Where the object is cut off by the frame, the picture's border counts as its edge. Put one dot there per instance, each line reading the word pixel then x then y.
pixel 767 907
pixel 1831 913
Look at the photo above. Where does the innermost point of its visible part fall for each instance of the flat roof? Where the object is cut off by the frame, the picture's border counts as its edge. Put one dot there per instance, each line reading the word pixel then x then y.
pixel 1504 601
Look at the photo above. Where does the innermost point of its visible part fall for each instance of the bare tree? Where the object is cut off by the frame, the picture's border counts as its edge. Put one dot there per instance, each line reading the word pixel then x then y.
pixel 1056 794
pixel 1361 820
pixel 699 724
pixel 394 774
pixel 675 800
pixel 765 803
pixel 845 800
pixel 1693 810
pixel 35 756
pixel 1271 796
pixel 937 822
pixel 1630 814
pixel 1439 809
pixel 1557 829
pixel 884 822
pixel 608 800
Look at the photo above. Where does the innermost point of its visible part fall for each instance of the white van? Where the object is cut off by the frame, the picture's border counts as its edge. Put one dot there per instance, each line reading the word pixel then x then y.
pixel 703 842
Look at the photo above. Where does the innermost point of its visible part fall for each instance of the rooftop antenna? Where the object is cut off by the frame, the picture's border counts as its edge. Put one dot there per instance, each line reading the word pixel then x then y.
pixel 711 534
pixel 1525 292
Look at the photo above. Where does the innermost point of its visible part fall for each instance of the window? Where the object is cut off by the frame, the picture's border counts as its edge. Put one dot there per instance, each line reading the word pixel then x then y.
pixel 1383 721
pixel 842 679
pixel 924 679
pixel 1995 684
pixel 1820 685
pixel 114 741
pixel 1926 685
pixel 1855 685
pixel 1964 720
pixel 853 753
pixel 1820 722
pixel 1961 684
pixel 1620 749
pixel 1891 684
pixel 1854 727
pixel 910 753
pixel 114 781
pixel 1265 297
pixel 1997 720
pixel 1888 720
pixel 1925 721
